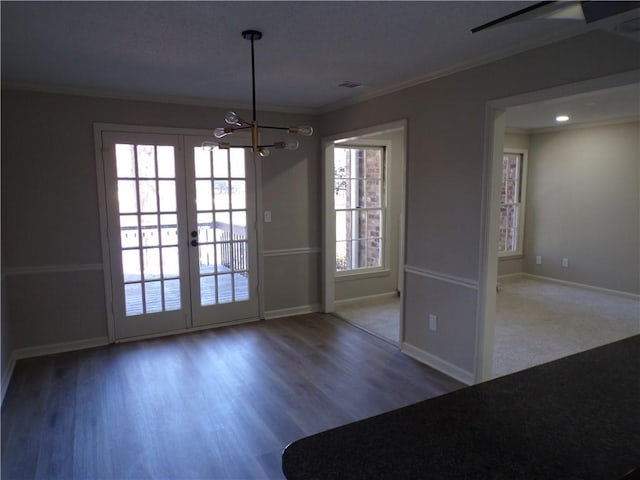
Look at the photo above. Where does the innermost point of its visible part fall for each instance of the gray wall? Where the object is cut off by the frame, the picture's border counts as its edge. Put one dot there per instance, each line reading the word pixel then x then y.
pixel 445 152
pixel 49 180
pixel 583 203
pixel 50 224
pixel 349 287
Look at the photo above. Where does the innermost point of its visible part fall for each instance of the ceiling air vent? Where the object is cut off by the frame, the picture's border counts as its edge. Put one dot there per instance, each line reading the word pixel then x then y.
pixel 348 84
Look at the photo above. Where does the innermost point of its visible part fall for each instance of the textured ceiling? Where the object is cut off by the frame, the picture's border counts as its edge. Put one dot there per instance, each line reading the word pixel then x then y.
pixel 193 51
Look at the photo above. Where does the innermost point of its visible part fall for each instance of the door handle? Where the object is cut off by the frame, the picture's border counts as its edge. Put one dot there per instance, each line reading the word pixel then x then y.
pixel 194 243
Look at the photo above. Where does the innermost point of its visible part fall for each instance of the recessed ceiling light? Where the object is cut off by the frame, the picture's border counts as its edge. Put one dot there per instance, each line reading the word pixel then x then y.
pixel 562 118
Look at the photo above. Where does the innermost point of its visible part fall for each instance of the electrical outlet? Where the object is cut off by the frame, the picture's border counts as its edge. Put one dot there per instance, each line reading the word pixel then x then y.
pixel 433 322
pixel 565 262
pixel 538 259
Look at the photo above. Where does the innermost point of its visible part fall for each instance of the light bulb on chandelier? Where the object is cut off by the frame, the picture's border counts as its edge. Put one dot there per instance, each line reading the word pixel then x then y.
pixel 236 123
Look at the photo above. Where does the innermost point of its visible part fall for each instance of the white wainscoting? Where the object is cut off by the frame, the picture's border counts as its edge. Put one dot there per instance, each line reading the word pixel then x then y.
pixel 451 348
pixel 439 364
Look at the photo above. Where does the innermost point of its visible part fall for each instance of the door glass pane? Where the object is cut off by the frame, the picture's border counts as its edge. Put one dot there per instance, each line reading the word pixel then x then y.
pixel 131 265
pixel 167 190
pixel 146 181
pixel 125 161
pixel 151 263
pixel 169 229
pixel 205 227
pixel 202 164
pixel 204 200
pixel 239 225
pixel 239 256
pixel 148 196
pixel 237 163
pixel 238 195
pixel 207 259
pixel 223 227
pixel 241 286
pixel 166 163
pixel 208 290
pixel 220 163
pixel 225 288
pixel 150 233
pixel 222 233
pixel 170 263
pixel 133 299
pixel 221 191
pixel 153 296
pixel 146 161
pixel 127 198
pixel 172 295
pixel 129 234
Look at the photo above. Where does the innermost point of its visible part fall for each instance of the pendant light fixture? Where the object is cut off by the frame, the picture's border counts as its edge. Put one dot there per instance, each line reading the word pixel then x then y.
pixel 237 124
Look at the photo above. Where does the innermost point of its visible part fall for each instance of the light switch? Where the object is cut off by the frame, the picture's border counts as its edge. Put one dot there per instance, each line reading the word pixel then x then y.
pixel 433 322
pixel 267 216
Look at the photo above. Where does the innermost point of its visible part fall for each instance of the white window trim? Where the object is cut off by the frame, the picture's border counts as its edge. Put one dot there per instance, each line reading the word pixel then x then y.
pixel 523 204
pixel 384 268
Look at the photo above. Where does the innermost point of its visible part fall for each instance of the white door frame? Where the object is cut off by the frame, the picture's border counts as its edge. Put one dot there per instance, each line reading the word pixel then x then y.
pixel 490 222
pixel 98 129
pixel 328 219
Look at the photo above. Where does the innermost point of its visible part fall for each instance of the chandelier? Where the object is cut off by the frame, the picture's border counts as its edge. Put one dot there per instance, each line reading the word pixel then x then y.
pixel 237 124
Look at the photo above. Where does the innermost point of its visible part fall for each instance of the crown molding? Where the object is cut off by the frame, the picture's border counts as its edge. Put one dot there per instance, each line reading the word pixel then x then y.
pixel 140 97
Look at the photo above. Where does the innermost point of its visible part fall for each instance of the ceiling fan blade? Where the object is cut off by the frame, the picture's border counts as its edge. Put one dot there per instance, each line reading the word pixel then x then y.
pixel 536 10
pixel 590 11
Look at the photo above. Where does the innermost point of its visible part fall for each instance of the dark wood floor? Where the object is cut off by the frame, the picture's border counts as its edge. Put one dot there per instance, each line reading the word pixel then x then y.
pixel 216 404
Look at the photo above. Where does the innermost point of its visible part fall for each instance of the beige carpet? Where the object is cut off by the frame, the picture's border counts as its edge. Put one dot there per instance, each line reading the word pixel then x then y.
pixel 538 321
pixel 381 317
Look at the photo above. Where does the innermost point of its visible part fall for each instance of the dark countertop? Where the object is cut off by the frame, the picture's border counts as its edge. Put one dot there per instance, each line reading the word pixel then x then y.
pixel 574 418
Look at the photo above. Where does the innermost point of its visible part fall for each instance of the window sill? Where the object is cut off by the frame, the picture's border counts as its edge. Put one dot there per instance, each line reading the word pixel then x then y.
pixel 361 275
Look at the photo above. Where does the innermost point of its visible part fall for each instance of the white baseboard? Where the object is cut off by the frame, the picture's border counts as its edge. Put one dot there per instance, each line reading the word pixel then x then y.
pixel 583 285
pixel 7 374
pixel 507 276
pixel 438 363
pixel 41 350
pixel 349 301
pixel 60 347
pixel 289 312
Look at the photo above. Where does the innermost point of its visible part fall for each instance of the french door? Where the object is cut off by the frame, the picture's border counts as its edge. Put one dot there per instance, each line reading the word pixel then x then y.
pixel 181 233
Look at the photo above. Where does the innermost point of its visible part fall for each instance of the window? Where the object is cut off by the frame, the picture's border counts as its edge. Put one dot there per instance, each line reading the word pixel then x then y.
pixel 512 197
pixel 360 207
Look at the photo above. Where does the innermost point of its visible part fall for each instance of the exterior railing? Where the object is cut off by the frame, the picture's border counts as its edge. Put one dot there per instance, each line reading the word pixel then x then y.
pixel 231 246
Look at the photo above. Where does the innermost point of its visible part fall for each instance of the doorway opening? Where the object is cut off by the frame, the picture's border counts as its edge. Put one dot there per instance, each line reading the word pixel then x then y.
pixel 555 261
pixel 364 195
